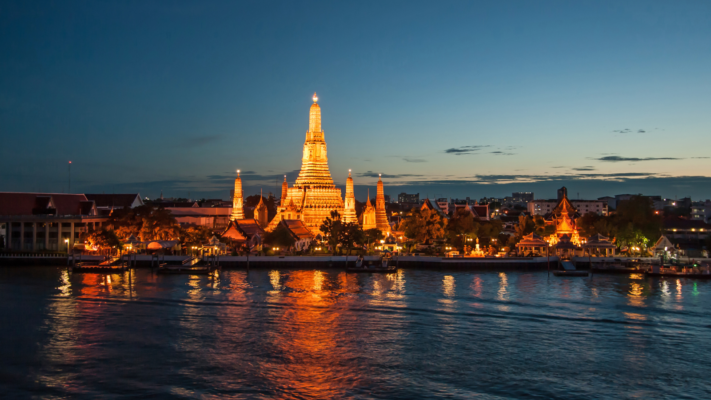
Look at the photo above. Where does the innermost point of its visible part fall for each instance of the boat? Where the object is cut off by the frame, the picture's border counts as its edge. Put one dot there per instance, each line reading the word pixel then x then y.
pixel 189 266
pixel 108 266
pixel 568 269
pixel 661 272
pixel 619 267
pixel 562 272
pixel 677 275
pixel 383 268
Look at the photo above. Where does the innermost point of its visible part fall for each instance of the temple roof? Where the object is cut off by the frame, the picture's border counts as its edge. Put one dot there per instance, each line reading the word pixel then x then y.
pixel 242 229
pixel 14 203
pixel 565 243
pixel 532 240
pixel 564 207
pixel 297 229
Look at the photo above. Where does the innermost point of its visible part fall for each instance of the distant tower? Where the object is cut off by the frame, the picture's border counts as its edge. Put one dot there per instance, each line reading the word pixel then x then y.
pixel 562 192
pixel 284 191
pixel 261 212
pixel 238 200
pixel 381 216
pixel 349 212
pixel 369 215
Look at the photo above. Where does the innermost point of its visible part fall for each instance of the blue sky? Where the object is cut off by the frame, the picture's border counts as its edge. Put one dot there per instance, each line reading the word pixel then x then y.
pixel 448 98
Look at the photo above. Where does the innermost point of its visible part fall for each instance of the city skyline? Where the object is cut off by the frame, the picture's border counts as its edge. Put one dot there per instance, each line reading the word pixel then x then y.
pixel 456 100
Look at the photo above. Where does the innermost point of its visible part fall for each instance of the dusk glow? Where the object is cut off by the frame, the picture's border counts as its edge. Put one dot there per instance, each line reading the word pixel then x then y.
pixel 455 99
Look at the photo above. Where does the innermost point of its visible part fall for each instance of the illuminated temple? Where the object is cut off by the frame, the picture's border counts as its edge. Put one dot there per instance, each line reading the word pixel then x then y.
pixel 564 220
pixel 314 195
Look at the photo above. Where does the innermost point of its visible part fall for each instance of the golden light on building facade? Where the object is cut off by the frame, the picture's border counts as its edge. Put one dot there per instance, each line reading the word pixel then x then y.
pixel 314 195
pixel 237 199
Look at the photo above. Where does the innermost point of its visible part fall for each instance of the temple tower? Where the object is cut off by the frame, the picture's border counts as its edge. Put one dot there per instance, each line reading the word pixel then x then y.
pixel 369 220
pixel 261 213
pixel 314 195
pixel 349 211
pixel 238 200
pixel 284 190
pixel 381 216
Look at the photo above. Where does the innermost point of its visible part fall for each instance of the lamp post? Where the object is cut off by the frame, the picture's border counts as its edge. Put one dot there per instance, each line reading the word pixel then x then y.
pixel 66 241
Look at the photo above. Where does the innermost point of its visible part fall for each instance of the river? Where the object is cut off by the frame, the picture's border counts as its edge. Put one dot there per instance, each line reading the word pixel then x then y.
pixel 326 334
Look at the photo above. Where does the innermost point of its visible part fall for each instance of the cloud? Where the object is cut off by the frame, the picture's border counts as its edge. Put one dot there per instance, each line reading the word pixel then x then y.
pixel 457 151
pixel 584 169
pixel 371 174
pixel 700 157
pixel 501 153
pixel 414 160
pixel 628 130
pixel 634 159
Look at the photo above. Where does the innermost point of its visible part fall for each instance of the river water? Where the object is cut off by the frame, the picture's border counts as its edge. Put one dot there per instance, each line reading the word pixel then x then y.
pixel 327 334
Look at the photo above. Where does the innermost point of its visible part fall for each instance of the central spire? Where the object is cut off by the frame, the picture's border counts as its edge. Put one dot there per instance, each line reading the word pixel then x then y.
pixel 315 118
pixel 314 163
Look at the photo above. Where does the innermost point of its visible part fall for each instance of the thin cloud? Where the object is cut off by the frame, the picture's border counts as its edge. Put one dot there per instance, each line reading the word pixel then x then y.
pixel 457 151
pixel 584 169
pixel 634 159
pixel 371 174
pixel 414 160
pixel 501 153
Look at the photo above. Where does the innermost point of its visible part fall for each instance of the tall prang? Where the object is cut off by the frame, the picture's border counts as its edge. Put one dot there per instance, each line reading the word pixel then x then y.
pixel 314 194
pixel 284 190
pixel 369 220
pixel 349 211
pixel 261 212
pixel 238 200
pixel 381 216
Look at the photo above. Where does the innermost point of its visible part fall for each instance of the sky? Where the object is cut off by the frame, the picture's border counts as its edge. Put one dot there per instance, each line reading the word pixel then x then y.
pixel 446 99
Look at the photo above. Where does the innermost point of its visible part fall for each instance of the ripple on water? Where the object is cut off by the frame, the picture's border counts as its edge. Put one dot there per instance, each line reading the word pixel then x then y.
pixel 329 334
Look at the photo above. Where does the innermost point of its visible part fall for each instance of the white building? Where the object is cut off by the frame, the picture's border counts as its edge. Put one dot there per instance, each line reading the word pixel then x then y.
pixel 543 207
pixel 701 211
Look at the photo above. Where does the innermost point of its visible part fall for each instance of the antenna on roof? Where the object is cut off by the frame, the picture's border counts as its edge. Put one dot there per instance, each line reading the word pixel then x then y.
pixel 69 177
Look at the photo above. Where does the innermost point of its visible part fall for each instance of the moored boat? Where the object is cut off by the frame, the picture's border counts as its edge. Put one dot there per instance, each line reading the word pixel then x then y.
pixel 184 269
pixel 98 268
pixel 560 272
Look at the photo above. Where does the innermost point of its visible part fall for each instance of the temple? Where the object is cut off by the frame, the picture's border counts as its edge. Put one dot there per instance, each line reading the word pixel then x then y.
pixel 261 214
pixel 369 216
pixel 381 216
pixel 237 200
pixel 564 219
pixel 349 211
pixel 284 190
pixel 314 195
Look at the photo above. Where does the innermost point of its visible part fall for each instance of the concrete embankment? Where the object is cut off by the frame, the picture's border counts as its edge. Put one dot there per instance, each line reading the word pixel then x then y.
pixel 299 262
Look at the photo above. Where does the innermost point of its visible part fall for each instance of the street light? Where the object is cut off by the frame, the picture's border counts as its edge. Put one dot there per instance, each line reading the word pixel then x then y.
pixel 67 243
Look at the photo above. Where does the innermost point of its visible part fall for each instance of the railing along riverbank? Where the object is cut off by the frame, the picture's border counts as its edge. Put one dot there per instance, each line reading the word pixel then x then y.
pixel 290 262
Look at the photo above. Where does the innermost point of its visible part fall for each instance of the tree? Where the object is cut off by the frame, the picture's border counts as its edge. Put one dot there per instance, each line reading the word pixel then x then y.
pixel 103 238
pixel 525 226
pixel 351 235
pixel 159 225
pixel 424 226
pixel 638 211
pixel 372 236
pixel 460 225
pixel 331 228
pixel 195 235
pixel 280 237
pixel 145 221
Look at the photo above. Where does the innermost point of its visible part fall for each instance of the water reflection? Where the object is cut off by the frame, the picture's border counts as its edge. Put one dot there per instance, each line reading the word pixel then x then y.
pixel 331 334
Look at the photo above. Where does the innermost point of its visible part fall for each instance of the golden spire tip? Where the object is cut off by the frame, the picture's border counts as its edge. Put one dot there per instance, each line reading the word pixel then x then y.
pixel 315 98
